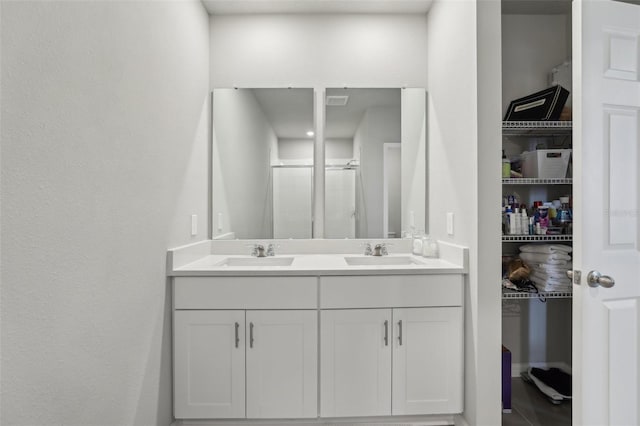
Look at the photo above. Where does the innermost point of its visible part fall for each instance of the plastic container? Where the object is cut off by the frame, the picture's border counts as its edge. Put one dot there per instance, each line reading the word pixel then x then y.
pixel 546 163
pixel 429 247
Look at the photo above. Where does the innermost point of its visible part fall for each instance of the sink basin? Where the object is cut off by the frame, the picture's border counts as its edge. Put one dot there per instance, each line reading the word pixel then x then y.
pixel 257 261
pixel 380 260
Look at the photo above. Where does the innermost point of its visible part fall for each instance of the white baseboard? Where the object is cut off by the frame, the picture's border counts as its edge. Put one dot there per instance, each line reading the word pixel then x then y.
pixel 517 368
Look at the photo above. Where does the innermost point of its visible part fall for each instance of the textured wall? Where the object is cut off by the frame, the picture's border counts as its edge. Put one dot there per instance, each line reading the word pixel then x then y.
pixel 532 45
pixel 242 141
pixel 355 50
pixel 104 158
pixel 464 138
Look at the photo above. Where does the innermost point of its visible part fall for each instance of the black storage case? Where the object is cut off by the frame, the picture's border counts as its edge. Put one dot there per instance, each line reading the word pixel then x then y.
pixel 545 105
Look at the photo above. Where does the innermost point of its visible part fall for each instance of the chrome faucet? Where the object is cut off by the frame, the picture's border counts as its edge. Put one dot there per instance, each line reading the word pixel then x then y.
pixel 380 250
pixel 367 249
pixel 259 250
pixel 270 250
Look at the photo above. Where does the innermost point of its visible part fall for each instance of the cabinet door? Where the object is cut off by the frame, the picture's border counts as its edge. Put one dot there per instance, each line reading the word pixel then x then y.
pixel 282 364
pixel 355 362
pixel 427 361
pixel 209 362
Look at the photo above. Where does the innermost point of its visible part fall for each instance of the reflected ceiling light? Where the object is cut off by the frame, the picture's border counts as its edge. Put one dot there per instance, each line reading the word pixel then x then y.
pixel 310 133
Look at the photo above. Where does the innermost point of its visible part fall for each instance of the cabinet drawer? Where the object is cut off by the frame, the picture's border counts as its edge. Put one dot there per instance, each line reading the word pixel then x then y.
pixel 245 293
pixel 391 291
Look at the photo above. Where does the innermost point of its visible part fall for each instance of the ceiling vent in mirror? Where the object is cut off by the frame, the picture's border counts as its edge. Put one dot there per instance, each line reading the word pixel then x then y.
pixel 334 100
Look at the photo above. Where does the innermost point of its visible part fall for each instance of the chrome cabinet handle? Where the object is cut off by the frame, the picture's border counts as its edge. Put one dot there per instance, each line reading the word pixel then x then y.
pixel 386 333
pixel 400 332
pixel 595 279
pixel 251 335
pixel 237 335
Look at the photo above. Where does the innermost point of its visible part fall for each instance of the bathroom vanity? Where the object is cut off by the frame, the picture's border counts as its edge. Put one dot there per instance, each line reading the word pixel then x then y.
pixel 318 331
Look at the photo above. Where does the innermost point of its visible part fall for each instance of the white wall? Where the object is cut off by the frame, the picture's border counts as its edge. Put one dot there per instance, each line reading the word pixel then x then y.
pixel 318 50
pixel 413 153
pixel 242 142
pixel 339 150
pixel 300 151
pixel 532 45
pixel 393 164
pixel 104 159
pixel 379 125
pixel 464 136
pixel 295 151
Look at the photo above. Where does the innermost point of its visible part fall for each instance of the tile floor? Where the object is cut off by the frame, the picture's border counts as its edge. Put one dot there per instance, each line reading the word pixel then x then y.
pixel 531 408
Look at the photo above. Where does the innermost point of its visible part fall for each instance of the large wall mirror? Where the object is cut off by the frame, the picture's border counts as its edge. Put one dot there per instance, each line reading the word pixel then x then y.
pixel 263 169
pixel 375 162
pixel 263 163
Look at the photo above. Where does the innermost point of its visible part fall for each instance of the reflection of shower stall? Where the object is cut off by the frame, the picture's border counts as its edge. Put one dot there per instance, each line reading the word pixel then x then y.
pixel 340 210
pixel 292 188
pixel 292 201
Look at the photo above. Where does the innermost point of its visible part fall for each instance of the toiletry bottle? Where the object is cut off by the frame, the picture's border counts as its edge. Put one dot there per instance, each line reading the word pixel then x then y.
pixel 506 166
pixel 524 220
pixel 429 247
pixel 512 223
pixel 516 219
pixel 544 219
pixel 564 215
pixel 507 216
pixel 417 243
pixel 504 220
pixel 536 211
pixel 425 244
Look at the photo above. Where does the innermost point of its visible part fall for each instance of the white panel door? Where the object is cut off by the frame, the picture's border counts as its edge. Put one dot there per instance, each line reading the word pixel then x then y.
pixel 292 202
pixel 340 203
pixel 607 191
pixel 209 359
pixel 355 362
pixel 427 361
pixel 282 364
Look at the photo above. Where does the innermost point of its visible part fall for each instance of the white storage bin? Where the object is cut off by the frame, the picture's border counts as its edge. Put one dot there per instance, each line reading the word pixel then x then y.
pixel 546 163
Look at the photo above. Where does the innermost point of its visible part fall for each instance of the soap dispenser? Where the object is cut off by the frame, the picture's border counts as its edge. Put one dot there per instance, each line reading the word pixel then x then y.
pixel 417 243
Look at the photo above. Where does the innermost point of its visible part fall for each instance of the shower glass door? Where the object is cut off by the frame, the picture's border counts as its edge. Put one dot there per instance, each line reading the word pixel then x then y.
pixel 340 203
pixel 292 201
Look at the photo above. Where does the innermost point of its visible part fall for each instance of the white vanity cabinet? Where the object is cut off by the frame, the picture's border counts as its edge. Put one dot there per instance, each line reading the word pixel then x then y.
pixel 391 345
pixel 427 360
pixel 355 363
pixel 282 365
pixel 235 347
pixel 209 364
pixel 318 346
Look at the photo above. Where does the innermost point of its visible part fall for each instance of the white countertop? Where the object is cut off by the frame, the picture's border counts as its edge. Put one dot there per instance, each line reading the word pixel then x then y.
pixel 317 265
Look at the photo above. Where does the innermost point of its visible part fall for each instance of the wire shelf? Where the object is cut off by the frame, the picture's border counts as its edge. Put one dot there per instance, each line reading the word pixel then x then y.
pixel 512 294
pixel 537 181
pixel 535 238
pixel 545 128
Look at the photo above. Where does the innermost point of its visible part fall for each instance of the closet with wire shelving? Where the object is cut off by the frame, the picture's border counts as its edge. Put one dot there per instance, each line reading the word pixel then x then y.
pixel 536 316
